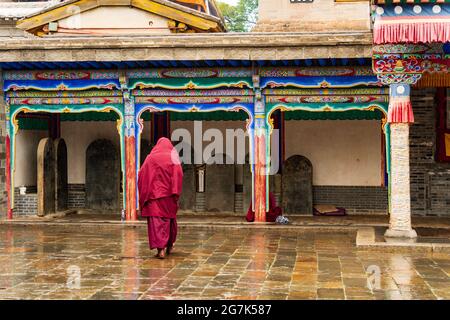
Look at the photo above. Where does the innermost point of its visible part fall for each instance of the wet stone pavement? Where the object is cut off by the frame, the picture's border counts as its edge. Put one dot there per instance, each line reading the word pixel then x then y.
pixel 43 262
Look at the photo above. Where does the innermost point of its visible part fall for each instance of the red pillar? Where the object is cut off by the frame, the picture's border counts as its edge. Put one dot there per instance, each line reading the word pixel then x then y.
pixel 130 169
pixel 130 149
pixel 260 178
pixel 260 172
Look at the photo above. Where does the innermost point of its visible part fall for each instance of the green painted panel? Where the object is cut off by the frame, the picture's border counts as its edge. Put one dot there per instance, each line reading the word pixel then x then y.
pixel 90 116
pixel 343 115
pixel 146 116
pixel 329 107
pixel 33 124
pixel 66 108
pixel 209 116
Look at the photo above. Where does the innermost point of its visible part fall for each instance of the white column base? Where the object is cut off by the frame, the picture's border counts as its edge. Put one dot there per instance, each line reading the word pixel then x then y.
pixel 407 234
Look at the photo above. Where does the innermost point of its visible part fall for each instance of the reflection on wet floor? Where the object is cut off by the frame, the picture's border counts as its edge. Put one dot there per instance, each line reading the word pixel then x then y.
pixel 424 235
pixel 44 262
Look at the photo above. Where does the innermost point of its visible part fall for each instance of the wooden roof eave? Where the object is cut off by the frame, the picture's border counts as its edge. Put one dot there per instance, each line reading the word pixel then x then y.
pixel 60 12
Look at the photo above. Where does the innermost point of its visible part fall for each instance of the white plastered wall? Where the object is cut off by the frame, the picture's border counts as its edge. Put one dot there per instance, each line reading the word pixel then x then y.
pixel 342 152
pixel 78 135
pixel 111 20
pixel 26 145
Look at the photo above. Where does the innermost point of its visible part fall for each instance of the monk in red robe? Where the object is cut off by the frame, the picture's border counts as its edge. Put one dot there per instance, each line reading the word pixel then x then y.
pixel 160 184
pixel 271 215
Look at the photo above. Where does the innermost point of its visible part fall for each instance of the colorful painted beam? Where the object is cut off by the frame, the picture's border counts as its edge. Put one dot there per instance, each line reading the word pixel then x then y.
pixel 190 83
pixel 282 72
pixel 192 93
pixel 326 107
pixel 321 82
pixel 194 100
pixel 61 75
pixel 61 85
pixel 189 73
pixel 326 91
pixel 330 99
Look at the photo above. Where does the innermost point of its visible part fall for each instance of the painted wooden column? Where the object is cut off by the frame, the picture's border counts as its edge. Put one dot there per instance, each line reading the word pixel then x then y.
pixel 260 155
pixel 9 157
pixel 130 158
pixel 5 189
pixel 400 116
pixel 130 131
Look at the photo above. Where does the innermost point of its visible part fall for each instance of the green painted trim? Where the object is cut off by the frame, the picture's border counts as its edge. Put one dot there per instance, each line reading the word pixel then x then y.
pixel 67 108
pixel 209 116
pixel 327 107
pixel 90 116
pixel 344 115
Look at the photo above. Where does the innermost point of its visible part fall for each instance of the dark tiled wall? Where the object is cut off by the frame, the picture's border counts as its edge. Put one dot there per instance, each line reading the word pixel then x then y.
pixel 430 180
pixel 76 196
pixel 356 200
pixel 25 204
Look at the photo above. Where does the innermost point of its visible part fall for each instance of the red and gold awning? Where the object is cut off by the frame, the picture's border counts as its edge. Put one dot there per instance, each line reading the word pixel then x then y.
pixel 411 21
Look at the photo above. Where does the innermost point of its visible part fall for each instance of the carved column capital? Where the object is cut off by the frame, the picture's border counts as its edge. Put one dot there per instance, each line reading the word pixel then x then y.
pixel 399 78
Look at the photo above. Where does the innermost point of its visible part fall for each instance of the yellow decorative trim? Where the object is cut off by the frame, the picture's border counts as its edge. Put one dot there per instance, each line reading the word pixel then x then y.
pixel 57 13
pixel 447 145
pixel 191 85
pixel 119 126
pixel 15 123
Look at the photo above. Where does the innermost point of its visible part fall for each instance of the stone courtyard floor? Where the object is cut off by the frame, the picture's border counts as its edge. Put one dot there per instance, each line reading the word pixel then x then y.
pixel 43 262
pixel 86 217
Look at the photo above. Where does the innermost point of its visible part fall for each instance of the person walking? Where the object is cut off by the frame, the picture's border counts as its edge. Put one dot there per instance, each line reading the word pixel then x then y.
pixel 160 183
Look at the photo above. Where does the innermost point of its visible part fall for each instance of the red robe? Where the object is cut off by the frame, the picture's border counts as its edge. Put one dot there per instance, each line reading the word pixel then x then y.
pixel 160 184
pixel 271 215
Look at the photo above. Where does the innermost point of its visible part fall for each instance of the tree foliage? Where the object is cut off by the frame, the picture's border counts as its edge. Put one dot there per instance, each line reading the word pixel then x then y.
pixel 241 17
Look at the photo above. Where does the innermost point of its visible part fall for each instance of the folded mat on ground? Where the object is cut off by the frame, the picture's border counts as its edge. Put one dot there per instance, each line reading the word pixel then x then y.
pixel 328 210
